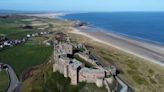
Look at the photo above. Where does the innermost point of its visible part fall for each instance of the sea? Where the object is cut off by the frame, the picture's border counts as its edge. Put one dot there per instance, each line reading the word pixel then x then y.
pixel 143 26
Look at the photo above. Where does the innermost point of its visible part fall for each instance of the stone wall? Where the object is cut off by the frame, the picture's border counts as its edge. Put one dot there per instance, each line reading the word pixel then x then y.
pixel 91 75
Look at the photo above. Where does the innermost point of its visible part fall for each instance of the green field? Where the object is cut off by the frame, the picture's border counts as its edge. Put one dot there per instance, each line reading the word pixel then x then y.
pixel 3 81
pixel 23 56
pixel 11 27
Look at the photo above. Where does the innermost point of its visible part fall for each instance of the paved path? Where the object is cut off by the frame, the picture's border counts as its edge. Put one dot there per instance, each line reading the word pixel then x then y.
pixel 14 82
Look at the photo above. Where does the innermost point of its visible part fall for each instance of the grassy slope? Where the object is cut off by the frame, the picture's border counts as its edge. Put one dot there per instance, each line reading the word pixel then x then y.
pixel 3 81
pixel 141 75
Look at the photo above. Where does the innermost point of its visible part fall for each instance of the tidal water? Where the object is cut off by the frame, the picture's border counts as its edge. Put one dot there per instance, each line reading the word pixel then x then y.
pixel 145 26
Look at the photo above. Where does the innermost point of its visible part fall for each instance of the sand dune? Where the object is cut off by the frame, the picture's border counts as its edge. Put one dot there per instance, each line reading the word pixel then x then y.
pixel 147 51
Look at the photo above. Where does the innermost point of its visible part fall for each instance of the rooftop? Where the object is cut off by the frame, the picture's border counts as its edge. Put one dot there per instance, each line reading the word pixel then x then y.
pixel 75 63
pixel 90 70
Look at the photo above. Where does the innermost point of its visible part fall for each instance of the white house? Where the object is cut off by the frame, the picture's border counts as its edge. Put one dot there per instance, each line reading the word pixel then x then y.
pixel 6 43
pixel 28 35
pixel 1 46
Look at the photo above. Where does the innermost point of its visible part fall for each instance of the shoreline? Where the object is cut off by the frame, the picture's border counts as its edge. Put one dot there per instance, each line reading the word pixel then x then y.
pixel 47 15
pixel 150 52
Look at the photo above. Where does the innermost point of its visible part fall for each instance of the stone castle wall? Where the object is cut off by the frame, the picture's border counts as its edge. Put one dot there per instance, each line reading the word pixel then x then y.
pixel 75 69
pixel 91 76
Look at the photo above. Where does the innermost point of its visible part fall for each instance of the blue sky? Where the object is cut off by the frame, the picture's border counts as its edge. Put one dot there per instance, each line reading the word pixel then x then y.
pixel 83 5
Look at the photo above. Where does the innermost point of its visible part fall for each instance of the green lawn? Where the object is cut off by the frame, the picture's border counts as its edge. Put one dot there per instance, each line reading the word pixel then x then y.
pixel 3 81
pixel 23 56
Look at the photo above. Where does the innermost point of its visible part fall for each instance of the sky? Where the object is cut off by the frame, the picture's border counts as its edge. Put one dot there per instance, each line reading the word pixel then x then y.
pixel 83 5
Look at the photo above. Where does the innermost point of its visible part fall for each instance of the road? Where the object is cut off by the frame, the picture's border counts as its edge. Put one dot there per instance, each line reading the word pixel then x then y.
pixel 14 82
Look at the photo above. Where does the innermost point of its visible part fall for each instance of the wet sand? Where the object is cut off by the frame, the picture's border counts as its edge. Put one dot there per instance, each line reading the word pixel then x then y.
pixel 150 52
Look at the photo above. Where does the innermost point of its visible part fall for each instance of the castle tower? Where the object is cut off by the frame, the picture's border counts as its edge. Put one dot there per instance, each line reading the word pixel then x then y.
pixel 74 79
pixel 66 71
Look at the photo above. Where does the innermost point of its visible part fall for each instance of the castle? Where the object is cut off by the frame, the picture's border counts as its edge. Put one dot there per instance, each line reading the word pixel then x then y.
pixel 75 69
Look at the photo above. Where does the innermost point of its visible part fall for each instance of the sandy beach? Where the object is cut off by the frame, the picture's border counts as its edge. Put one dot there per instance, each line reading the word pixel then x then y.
pixel 46 15
pixel 147 51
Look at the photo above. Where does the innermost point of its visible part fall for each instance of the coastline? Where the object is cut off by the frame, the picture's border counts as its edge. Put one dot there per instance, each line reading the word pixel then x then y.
pixel 150 52
pixel 46 15
pixel 132 25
